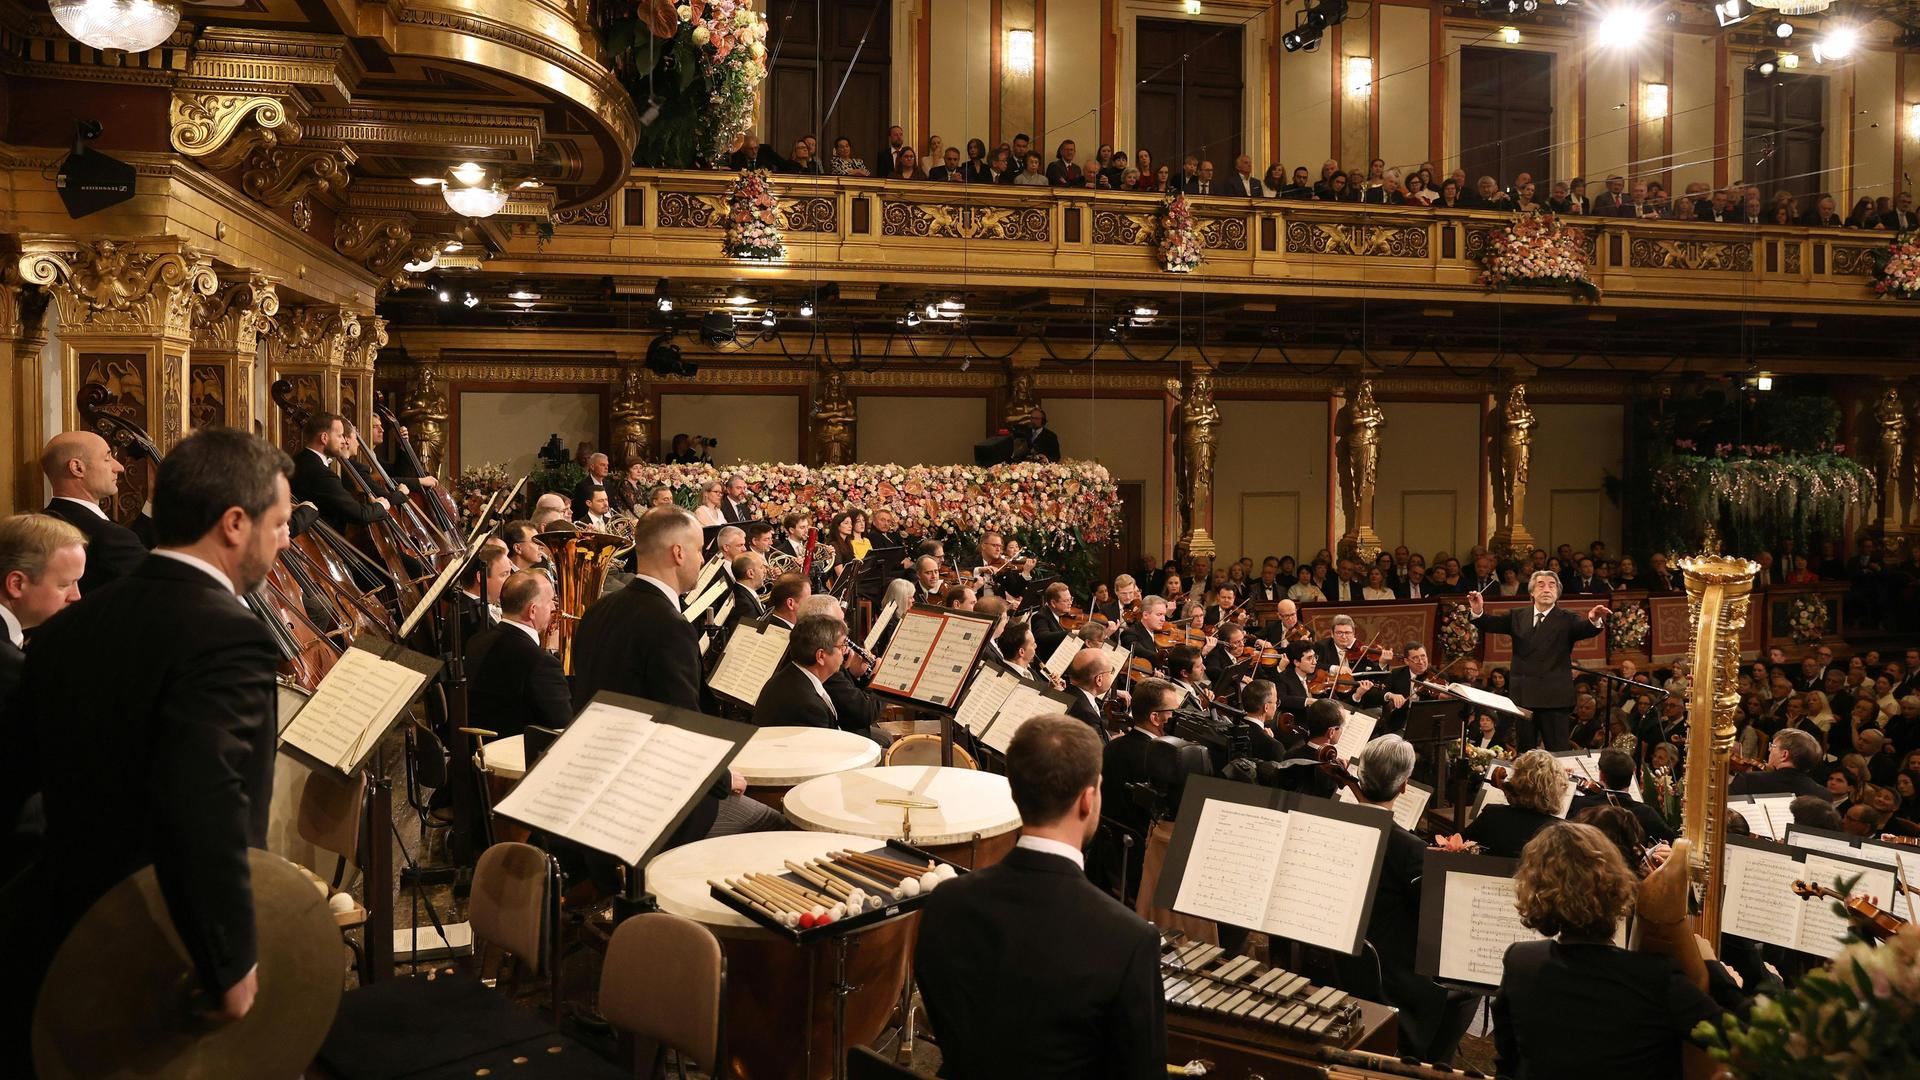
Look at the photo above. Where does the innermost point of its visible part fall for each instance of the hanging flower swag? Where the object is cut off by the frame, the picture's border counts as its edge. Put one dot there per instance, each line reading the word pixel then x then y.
pixel 1758 496
pixel 753 218
pixel 1179 238
pixel 1537 251
pixel 693 69
pixel 1896 268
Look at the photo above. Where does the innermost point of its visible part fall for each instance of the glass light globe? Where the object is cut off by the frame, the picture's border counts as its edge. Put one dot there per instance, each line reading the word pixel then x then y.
pixel 480 200
pixel 132 26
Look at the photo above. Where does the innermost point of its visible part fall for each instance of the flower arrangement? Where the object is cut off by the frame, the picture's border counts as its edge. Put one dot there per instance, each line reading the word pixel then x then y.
pixel 478 483
pixel 1179 238
pixel 1896 268
pixel 1458 635
pixel 1481 759
pixel 1807 619
pixel 1053 506
pixel 1858 1019
pixel 1538 251
pixel 753 218
pixel 1756 496
pixel 695 70
pixel 1628 627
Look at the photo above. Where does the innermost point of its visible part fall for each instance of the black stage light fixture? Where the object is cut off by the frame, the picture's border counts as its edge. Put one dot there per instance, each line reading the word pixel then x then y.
pixel 663 358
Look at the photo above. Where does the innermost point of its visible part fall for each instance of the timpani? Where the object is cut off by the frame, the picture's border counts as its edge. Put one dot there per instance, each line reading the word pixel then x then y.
pixel 972 821
pixel 505 763
pixel 777 758
pixel 779 998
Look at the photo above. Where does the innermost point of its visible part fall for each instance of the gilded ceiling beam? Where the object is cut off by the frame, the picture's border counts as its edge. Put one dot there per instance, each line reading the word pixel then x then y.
pixel 420 130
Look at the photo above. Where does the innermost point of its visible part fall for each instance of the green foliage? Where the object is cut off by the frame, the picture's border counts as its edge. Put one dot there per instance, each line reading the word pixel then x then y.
pixel 560 478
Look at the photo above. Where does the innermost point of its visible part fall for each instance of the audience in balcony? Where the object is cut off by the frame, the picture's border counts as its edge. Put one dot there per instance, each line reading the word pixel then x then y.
pixel 1899 216
pixel 949 171
pixel 1202 182
pixel 1242 182
pixel 752 155
pixel 1863 216
pixel 906 165
pixel 1000 168
pixel 976 170
pixel 1034 174
pixel 1607 203
pixel 1065 172
pixel 1823 215
pixel 843 163
pixel 802 163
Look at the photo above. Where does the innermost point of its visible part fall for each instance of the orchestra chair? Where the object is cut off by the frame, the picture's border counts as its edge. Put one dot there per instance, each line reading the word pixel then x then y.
pixel 332 816
pixel 683 1013
pixel 925 750
pixel 864 1063
pixel 515 907
pixel 426 764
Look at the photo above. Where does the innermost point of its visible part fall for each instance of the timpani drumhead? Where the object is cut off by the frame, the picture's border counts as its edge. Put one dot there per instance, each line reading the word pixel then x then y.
pixel 785 756
pixel 966 804
pixel 506 757
pixel 678 878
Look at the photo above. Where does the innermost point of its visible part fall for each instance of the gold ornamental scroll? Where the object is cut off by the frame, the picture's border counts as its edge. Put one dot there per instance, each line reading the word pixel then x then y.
pixel 1719 589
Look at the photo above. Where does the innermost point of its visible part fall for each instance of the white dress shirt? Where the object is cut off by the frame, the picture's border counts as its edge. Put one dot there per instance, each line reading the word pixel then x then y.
pixel 665 589
pixel 201 565
pixel 15 632
pixel 1053 847
pixel 88 503
pixel 821 689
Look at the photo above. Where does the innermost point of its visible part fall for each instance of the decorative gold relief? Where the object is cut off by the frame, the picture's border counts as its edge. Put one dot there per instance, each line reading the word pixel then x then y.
pixel 1026 224
pixel 1117 227
pixel 278 175
pixel 424 411
pixel 222 129
pixel 207 395
pixel 632 415
pixel 597 215
pixel 833 420
pixel 383 243
pixel 1790 256
pixel 1390 241
pixel 317 335
pixel 1650 253
pixel 814 214
pixel 231 318
pixel 1224 233
pixel 690 210
pixel 373 338
pixel 135 287
pixel 1853 260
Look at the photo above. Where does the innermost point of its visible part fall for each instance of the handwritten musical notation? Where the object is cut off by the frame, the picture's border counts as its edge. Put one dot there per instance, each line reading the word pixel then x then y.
pixel 752 655
pixel 352 707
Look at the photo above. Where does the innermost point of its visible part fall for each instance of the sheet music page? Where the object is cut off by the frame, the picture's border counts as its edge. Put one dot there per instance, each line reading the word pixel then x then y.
pixel 573 772
pixel 1406 809
pixel 1321 888
pixel 1820 929
pixel 1063 655
pixel 907 652
pixel 705 600
pixel 1022 705
pixel 1587 764
pixel 1742 807
pixel 987 693
pixel 1486 699
pixel 753 655
pixel 1872 853
pixel 635 807
pixel 951 657
pixel 1479 923
pixel 1231 867
pixel 1355 731
pixel 360 694
pixel 1758 900
pixel 1775 813
pixel 880 625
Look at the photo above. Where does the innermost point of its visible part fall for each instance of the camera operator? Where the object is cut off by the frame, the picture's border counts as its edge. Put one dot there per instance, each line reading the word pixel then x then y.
pixel 692 450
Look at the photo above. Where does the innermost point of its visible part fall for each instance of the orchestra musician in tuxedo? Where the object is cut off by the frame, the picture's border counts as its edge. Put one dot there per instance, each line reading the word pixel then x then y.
pixel 597 467
pixel 635 641
pixel 1226 606
pixel 512 680
pixel 1045 620
pixel 1124 762
pixel 856 708
pixel 170 762
pixel 784 599
pixel 1027 968
pixel 315 481
pixel 1089 677
pixel 524 547
pixel 792 538
pixel 927 583
pixel 1138 635
pixel 1341 650
pixel 796 694
pixel 1261 703
pixel 1286 620
pixel 1400 687
pixel 81 470
pixel 599 512
pixel 1791 758
pixel 1616 776
pixel 1542 672
pixel 1293 683
pixel 42 561
pixel 749 571
pixel 480 581
pixel 1300 769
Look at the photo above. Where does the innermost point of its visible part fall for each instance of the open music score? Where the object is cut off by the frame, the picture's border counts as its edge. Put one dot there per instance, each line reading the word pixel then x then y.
pixel 997 703
pixel 367 690
pixel 753 653
pixel 1290 865
pixel 880 624
pixel 1758 901
pixel 1765 815
pixel 621 775
pixel 1063 654
pixel 1356 728
pixel 1586 763
pixel 1486 699
pixel 931 655
pixel 1467 918
pixel 1026 702
pixel 1406 809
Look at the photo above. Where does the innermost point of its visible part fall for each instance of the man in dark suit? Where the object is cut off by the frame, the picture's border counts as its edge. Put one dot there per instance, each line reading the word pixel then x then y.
pixel 1293 684
pixel 583 491
pixel 1089 676
pixel 735 505
pixel 1041 440
pixel 1616 776
pixel 1542 672
pixel 1791 758
pixel 1201 182
pixel 81 469
pixel 796 694
pixel 42 560
pixel 169 763
pixel 1342 649
pixel 1268 588
pixel 749 574
pixel 1901 218
pixel 1344 587
pixel 1399 686
pixel 1242 182
pixel 1658 578
pixel 1583 581
pixel 1045 621
pixel 314 480
pixel 513 680
pixel 1026 968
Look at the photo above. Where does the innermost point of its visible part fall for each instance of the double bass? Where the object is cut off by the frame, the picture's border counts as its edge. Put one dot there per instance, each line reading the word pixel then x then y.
pixel 433 501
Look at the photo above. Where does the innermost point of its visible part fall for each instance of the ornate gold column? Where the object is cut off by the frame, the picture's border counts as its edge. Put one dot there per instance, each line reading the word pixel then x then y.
pixel 424 411
pixel 1718 592
pixel 630 432
pixel 1891 414
pixel 833 421
pixel 308 351
pixel 226 335
pixel 1361 472
pixel 126 325
pixel 23 330
pixel 1510 481
pixel 1199 435
pixel 356 377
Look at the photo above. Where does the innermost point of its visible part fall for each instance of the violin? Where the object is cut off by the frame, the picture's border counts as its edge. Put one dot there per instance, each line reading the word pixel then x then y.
pixel 1171 635
pixel 1872 921
pixel 1074 619
pixel 1265 656
pixel 1300 632
pixel 1737 764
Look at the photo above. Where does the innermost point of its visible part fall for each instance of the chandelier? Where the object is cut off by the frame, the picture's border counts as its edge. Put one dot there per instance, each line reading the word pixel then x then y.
pixel 1794 7
pixel 132 26
pixel 472 192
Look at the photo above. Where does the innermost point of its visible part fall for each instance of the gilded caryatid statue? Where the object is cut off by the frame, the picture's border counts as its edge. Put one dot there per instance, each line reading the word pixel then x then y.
pixel 424 411
pixel 1510 487
pixel 1020 402
pixel 1891 414
pixel 1199 435
pixel 1365 421
pixel 632 415
pixel 833 424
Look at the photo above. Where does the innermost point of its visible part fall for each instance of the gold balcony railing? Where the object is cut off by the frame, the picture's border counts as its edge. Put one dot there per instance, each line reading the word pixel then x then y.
pixel 884 233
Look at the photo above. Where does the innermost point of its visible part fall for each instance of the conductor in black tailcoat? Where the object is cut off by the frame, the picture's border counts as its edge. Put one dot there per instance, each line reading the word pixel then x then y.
pixel 170 762
pixel 1541 678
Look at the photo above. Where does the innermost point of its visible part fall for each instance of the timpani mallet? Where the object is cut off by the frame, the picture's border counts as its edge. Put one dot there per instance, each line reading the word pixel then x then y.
pixel 848 874
pixel 777 916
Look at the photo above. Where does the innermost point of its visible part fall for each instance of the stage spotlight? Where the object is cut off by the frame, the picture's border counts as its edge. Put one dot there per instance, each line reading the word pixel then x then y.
pixel 1732 11
pixel 1838 44
pixel 913 318
pixel 663 356
pixel 806 309
pixel 1765 62
pixel 665 304
pixel 1779 28
pixel 1622 27
pixel 767 320
pixel 471 301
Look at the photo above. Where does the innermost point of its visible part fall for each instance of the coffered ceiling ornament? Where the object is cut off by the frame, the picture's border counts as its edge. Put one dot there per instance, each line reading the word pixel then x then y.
pixel 279 175
pixel 234 316
pixel 144 286
pixel 222 129
pixel 315 335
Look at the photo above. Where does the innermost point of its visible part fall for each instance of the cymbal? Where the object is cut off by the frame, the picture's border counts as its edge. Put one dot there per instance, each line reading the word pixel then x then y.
pixel 115 1002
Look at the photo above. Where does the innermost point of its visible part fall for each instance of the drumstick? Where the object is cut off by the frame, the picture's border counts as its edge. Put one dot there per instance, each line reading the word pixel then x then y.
pixel 780 882
pixel 879 870
pixel 886 863
pixel 809 914
pixel 822 906
pixel 828 867
pixel 856 899
pixel 775 887
pixel 794 915
pixel 928 878
pixel 906 883
pixel 776 916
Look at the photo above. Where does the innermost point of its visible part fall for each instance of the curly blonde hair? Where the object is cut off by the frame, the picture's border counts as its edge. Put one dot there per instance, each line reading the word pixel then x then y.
pixel 1572 880
pixel 1538 782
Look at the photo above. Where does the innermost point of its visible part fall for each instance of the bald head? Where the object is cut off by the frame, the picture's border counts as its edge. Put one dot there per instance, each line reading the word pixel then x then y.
pixel 80 465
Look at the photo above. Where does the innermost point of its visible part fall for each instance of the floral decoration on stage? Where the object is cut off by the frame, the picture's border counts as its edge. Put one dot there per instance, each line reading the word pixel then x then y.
pixel 1756 494
pixel 694 71
pixel 1856 1018
pixel 1058 506
pixel 1538 251
pixel 1628 628
pixel 1896 268
pixel 1807 619
pixel 1179 237
pixel 478 483
pixel 753 218
pixel 1458 635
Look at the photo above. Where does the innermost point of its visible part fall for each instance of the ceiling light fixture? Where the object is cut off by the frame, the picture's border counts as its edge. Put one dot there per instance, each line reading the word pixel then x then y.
pixel 1654 101
pixel 1793 7
pixel 767 320
pixel 1838 44
pixel 473 192
pixel 740 299
pixel 913 317
pixel 1779 28
pixel 1020 52
pixel 423 265
pixel 443 296
pixel 131 26
pixel 665 304
pixel 1622 27
pixel 1510 35
pixel 1729 12
pixel 523 294
pixel 471 301
pixel 1359 75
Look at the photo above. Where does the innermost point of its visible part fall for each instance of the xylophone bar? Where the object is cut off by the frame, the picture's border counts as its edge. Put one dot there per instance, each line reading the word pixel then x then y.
pixel 1242 989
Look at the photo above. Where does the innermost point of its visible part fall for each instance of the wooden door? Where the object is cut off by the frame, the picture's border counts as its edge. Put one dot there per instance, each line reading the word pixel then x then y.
pixel 831 79
pixel 1187 94
pixel 1785 124
pixel 1506 116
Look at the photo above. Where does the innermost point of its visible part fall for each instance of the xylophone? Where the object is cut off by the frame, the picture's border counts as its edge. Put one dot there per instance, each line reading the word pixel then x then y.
pixel 1202 978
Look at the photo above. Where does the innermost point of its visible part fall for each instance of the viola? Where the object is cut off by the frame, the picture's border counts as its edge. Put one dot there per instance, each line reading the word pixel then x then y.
pixel 1738 764
pixel 1874 922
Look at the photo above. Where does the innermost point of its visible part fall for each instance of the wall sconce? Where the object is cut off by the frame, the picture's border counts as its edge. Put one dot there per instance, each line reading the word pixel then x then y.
pixel 1510 35
pixel 1913 121
pixel 1193 7
pixel 1654 101
pixel 1020 52
pixel 1359 74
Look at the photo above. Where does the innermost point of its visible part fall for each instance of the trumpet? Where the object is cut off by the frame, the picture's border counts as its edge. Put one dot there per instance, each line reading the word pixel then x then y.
pixel 581 561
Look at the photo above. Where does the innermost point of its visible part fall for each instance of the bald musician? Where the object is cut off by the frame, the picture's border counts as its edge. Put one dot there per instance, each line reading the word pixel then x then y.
pixel 81 470
pixel 513 680
pixel 1090 675
pixel 1025 967
pixel 41 562
pixel 749 573
pixel 169 763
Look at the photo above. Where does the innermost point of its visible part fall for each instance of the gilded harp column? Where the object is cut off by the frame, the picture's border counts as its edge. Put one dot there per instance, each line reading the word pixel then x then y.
pixel 1719 590
pixel 1199 434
